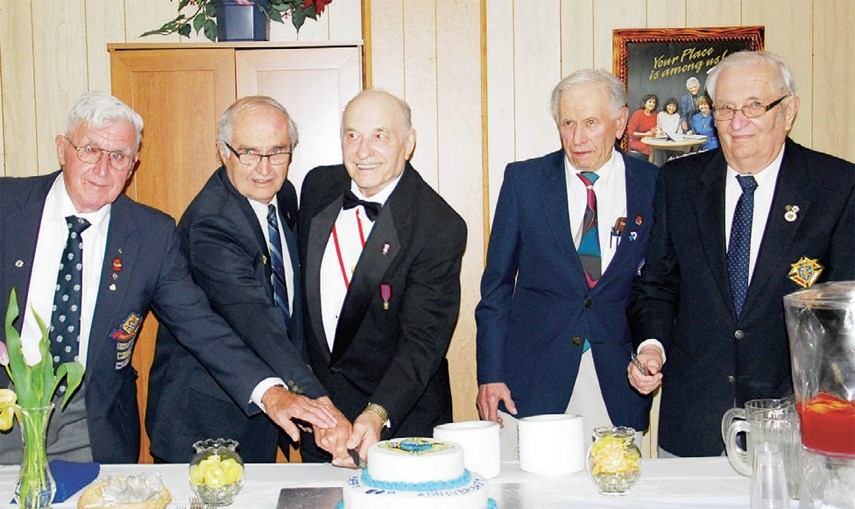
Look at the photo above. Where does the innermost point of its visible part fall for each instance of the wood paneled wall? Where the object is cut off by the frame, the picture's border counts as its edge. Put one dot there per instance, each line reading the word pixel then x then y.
pixel 477 74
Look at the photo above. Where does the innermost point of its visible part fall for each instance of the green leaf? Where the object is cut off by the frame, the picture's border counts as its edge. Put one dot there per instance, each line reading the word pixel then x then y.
pixel 276 16
pixel 184 31
pixel 74 371
pixel 211 10
pixel 211 30
pixel 298 18
pixel 198 22
pixel 18 369
pixel 43 377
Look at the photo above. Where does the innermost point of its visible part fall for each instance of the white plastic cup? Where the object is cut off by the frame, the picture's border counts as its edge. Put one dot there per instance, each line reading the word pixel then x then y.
pixel 551 444
pixel 480 442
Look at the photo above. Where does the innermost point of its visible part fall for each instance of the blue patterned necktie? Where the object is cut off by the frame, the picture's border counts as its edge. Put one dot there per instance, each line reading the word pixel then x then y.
pixel 589 246
pixel 65 315
pixel 739 249
pixel 277 276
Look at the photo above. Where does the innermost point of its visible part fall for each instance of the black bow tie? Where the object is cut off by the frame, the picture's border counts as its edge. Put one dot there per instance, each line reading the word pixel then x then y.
pixel 372 208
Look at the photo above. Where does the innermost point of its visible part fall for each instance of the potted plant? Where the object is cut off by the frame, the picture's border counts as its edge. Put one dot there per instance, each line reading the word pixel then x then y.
pixel 209 16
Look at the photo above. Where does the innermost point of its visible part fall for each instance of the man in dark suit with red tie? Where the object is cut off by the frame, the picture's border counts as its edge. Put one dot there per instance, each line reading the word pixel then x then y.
pixel 242 252
pixel 381 254
pixel 735 230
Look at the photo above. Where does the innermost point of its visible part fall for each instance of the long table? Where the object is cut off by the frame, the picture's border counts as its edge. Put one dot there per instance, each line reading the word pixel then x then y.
pixel 665 483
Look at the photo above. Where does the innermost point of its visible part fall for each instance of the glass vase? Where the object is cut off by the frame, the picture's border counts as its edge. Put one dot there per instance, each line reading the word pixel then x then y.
pixel 36 486
pixel 614 460
pixel 216 471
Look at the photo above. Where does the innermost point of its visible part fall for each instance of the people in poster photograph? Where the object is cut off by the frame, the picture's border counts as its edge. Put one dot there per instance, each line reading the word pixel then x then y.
pixel 642 124
pixel 689 102
pixel 702 123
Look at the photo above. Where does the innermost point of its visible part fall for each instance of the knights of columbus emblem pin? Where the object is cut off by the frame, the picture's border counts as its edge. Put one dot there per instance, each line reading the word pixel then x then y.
pixel 806 271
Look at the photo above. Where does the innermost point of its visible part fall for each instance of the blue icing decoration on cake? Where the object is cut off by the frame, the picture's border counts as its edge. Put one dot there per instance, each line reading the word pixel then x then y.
pixel 450 484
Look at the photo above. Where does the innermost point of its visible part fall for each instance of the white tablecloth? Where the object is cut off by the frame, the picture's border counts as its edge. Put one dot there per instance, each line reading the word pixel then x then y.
pixel 665 483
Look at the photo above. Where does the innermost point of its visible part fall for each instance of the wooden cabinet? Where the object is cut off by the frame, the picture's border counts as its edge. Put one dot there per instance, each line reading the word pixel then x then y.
pixel 181 89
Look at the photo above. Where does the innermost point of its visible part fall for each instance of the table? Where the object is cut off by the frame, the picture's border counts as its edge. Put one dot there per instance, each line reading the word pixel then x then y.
pixel 662 144
pixel 708 483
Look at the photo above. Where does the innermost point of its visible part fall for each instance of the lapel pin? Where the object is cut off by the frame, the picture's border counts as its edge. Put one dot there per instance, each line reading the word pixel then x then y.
pixel 386 247
pixel 120 250
pixel 791 213
pixel 115 276
pixel 113 287
pixel 805 272
pixel 117 264
pixel 633 236
pixel 639 220
pixel 386 294
pixel 19 263
pixel 264 259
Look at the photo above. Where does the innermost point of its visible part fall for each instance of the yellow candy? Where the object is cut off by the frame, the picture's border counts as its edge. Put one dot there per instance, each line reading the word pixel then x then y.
pixel 214 472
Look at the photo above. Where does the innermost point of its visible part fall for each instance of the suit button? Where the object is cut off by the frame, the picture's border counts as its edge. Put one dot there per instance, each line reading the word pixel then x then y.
pixel 738 334
pixel 731 379
pixel 577 340
pixel 587 303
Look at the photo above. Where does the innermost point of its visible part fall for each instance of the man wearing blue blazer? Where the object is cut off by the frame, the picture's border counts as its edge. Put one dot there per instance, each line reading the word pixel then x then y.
pixel 568 236
pixel 236 235
pixel 128 261
pixel 764 217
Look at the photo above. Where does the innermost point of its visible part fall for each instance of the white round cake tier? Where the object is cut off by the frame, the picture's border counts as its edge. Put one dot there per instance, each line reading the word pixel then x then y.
pixel 415 460
pixel 472 495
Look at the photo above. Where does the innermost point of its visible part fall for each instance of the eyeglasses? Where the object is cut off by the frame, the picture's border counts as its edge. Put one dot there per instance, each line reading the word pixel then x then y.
pixel 91 154
pixel 753 110
pixel 253 160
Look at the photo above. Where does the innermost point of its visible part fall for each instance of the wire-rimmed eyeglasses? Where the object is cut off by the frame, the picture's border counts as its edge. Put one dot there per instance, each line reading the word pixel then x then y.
pixel 253 160
pixel 754 109
pixel 91 154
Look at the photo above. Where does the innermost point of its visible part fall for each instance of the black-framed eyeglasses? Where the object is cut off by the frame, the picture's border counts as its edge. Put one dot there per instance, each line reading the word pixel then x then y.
pixel 91 154
pixel 753 110
pixel 253 160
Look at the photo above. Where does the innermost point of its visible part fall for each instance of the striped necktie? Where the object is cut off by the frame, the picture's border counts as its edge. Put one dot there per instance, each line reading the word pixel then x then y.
pixel 589 246
pixel 277 276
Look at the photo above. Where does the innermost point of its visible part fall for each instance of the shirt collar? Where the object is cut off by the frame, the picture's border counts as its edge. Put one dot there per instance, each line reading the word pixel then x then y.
pixel 380 197
pixel 260 209
pixel 604 172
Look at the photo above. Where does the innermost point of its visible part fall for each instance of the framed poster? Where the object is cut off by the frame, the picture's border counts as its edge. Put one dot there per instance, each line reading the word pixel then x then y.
pixel 662 61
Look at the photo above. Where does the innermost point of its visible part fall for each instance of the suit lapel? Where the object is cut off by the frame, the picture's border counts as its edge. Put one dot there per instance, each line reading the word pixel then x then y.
pixel 779 233
pixel 553 199
pixel 112 293
pixel 319 234
pixel 634 188
pixel 709 209
pixel 26 217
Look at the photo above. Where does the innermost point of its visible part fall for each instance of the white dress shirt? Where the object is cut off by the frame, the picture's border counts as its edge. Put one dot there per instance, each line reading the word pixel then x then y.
pixel 53 232
pixel 347 229
pixel 610 189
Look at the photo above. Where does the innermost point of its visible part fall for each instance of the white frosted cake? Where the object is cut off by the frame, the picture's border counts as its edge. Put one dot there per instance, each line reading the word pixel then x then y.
pixel 415 473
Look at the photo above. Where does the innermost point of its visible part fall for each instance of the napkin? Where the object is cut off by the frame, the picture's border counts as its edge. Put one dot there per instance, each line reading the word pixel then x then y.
pixel 72 477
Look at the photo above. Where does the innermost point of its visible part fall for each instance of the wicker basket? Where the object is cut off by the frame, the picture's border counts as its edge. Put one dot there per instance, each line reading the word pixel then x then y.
pixel 91 499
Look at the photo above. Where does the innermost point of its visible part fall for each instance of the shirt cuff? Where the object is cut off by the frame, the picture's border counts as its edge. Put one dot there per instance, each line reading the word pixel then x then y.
pixel 262 387
pixel 656 343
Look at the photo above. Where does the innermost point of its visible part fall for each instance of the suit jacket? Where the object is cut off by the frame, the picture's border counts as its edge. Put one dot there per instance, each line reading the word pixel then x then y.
pixel 716 360
pixel 536 308
pixel 154 275
pixel 394 357
pixel 229 259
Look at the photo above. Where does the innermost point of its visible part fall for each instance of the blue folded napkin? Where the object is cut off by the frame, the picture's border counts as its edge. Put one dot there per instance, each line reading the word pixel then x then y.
pixel 72 477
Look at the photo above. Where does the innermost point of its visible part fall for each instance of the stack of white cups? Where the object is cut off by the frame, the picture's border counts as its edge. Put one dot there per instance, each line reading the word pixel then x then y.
pixel 480 443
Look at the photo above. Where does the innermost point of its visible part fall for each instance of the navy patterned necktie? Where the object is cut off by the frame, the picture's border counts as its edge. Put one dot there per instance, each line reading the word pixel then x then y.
pixel 65 315
pixel 739 248
pixel 277 264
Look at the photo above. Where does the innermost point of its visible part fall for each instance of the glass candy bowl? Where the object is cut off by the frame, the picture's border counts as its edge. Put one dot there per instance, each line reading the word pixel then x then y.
pixel 614 460
pixel 216 471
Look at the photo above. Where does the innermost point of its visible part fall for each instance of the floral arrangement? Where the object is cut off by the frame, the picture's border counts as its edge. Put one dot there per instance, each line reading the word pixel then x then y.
pixel 34 385
pixel 203 16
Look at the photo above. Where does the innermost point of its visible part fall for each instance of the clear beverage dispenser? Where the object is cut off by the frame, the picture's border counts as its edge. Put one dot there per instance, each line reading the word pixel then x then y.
pixel 821 329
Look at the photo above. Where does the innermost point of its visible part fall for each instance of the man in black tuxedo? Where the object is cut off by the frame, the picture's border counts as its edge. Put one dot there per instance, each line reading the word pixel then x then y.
pixel 131 262
pixel 735 230
pixel 381 254
pixel 237 237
